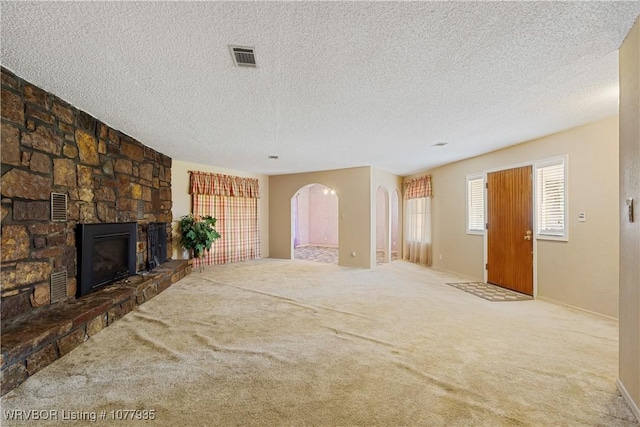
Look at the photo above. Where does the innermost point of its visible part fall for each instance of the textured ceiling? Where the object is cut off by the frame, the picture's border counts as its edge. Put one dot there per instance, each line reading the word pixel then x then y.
pixel 338 84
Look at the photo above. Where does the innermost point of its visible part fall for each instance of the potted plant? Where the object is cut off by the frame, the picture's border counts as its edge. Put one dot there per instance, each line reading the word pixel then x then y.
pixel 198 234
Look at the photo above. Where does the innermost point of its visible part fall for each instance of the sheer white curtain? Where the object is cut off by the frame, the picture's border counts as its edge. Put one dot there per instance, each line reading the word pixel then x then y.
pixel 417 231
pixel 417 244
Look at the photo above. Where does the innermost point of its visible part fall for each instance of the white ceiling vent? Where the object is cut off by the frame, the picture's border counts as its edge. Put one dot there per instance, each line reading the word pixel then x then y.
pixel 243 56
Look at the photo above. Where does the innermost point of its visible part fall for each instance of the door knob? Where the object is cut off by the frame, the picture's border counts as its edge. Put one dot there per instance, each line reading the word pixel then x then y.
pixel 528 236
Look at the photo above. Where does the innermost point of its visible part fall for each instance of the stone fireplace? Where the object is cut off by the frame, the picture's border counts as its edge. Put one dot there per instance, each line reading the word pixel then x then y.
pixel 51 150
pixel 106 254
pixel 48 146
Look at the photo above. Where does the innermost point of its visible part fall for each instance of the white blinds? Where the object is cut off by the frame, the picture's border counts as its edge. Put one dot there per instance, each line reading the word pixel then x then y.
pixel 550 188
pixel 475 204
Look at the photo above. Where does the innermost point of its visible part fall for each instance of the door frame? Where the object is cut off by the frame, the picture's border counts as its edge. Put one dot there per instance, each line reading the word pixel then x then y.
pixel 534 216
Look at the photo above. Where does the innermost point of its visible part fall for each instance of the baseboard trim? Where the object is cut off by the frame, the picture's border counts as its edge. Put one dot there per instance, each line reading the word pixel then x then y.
pixel 552 301
pixel 627 397
pixel 316 246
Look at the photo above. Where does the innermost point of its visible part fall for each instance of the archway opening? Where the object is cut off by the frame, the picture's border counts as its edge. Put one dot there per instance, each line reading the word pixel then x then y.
pixel 382 226
pixel 395 226
pixel 314 212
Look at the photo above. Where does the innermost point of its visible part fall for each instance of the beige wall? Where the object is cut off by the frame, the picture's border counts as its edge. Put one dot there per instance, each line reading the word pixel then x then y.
pixel 182 200
pixel 629 375
pixel 352 187
pixel 582 272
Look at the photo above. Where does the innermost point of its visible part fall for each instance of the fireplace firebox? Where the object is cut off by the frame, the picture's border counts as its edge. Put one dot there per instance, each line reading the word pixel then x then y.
pixel 106 253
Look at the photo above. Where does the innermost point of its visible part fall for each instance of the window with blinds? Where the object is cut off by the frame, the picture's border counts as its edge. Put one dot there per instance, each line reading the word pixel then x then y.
pixel 475 204
pixel 551 199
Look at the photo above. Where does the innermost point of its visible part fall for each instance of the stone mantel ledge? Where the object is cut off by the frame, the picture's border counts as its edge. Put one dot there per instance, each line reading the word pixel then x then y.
pixel 35 340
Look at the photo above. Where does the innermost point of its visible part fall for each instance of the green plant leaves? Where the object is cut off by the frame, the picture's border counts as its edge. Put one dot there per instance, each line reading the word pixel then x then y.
pixel 198 234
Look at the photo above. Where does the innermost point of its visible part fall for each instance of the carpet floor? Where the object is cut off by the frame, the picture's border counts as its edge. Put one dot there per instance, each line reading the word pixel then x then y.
pixel 280 342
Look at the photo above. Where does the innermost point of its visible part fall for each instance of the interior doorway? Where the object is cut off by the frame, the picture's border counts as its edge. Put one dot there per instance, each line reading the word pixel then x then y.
pixel 395 226
pixel 510 229
pixel 383 250
pixel 314 211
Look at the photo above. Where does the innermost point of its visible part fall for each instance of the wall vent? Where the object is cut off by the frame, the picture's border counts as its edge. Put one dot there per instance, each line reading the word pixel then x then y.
pixel 243 56
pixel 58 286
pixel 140 209
pixel 58 207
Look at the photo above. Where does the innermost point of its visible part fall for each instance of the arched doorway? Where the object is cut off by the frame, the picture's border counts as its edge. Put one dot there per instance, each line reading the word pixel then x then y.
pixel 314 214
pixel 383 254
pixel 395 226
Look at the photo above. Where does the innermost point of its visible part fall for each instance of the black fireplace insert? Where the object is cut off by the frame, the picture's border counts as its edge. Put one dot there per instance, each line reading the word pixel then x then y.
pixel 106 253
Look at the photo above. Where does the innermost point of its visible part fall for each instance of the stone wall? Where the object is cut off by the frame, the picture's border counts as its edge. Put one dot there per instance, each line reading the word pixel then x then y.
pixel 30 344
pixel 50 146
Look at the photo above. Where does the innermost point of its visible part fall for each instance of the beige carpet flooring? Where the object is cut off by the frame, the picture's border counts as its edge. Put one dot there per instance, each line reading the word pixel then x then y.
pixel 275 342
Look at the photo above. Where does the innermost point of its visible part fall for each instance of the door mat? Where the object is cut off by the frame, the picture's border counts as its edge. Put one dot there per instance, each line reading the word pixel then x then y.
pixel 490 292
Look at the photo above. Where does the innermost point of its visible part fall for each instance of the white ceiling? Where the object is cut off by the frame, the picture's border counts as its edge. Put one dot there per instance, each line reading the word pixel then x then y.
pixel 339 84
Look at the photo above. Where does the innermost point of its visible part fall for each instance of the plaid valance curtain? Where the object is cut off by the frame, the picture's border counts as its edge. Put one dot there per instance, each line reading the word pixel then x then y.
pixel 233 201
pixel 214 184
pixel 418 187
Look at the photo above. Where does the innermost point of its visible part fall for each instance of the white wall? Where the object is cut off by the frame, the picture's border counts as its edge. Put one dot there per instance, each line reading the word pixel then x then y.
pixel 182 200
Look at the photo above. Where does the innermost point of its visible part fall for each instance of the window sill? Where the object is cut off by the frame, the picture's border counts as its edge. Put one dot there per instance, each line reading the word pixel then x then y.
pixel 552 238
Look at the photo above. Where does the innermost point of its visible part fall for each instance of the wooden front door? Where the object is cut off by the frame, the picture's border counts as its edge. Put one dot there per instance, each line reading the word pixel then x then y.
pixel 510 229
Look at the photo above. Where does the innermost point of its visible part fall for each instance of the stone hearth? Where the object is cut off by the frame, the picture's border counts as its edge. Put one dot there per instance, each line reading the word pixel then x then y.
pixel 31 342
